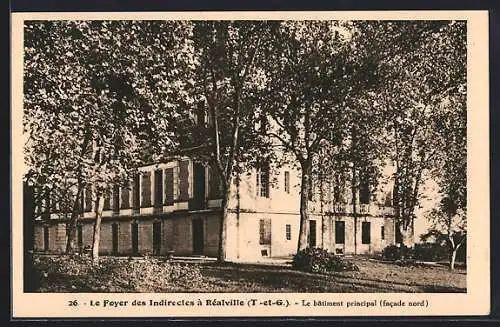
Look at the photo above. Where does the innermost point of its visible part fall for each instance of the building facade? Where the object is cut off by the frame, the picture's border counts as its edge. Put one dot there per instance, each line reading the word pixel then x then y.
pixel 174 208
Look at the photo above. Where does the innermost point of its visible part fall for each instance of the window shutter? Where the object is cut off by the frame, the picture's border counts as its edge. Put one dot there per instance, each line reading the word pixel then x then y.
pixel 184 180
pixel 169 186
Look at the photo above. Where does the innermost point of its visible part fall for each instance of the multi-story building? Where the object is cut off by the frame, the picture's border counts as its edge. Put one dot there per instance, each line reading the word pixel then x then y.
pixel 174 208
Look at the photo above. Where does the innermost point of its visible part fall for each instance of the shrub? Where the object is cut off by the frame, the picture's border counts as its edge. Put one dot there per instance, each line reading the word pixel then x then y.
pixel 79 273
pixel 395 253
pixel 431 252
pixel 321 261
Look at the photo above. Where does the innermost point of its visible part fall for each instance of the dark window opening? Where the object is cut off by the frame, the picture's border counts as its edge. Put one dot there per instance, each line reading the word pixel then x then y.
pixel 146 190
pixel 198 200
pixel 287 181
pixel 79 236
pixel 158 188
pixel 135 238
pixel 365 232
pixel 382 233
pixel 125 196
pixel 198 236
pixel 364 192
pixel 263 181
pixel 116 198
pixel 107 200
pixel 114 237
pixel 46 240
pixel 312 233
pixel 156 237
pixel 169 186
pixel 288 232
pixel 136 198
pixel 339 232
pixel 265 231
pixel 88 198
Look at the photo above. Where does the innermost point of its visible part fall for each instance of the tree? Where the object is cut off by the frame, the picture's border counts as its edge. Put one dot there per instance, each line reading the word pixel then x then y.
pixel 417 82
pixel 216 125
pixel 316 70
pixel 95 94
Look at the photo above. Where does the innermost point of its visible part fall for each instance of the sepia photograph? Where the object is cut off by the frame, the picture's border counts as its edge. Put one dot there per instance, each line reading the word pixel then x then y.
pixel 245 156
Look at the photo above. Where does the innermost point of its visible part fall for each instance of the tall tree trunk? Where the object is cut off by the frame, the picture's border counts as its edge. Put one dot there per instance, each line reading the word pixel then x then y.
pixel 99 205
pixel 73 221
pixel 305 189
pixel 221 257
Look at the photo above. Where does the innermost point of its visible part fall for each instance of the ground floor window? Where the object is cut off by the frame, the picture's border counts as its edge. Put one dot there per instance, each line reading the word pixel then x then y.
pixel 156 237
pixel 365 232
pixel 312 233
pixel 114 237
pixel 79 236
pixel 265 231
pixel 339 232
pixel 135 238
pixel 382 233
pixel 46 236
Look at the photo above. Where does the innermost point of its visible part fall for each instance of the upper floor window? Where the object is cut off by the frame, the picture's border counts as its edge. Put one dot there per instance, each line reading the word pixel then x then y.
pixel 287 181
pixel 364 192
pixel 262 181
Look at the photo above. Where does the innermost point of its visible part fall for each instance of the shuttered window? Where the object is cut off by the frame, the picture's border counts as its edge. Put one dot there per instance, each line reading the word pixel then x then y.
pixel 169 186
pixel 107 200
pixel 136 198
pixel 125 195
pixel 146 190
pixel 158 188
pixel 288 232
pixel 287 181
pixel 265 231
pixel 184 180
pixel 339 232
pixel 116 198
pixel 365 232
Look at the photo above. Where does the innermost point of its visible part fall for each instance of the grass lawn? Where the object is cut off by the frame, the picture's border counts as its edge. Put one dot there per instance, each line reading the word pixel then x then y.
pixel 373 277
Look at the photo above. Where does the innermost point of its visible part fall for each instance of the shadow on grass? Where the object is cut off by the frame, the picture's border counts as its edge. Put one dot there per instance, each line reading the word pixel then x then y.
pixel 258 278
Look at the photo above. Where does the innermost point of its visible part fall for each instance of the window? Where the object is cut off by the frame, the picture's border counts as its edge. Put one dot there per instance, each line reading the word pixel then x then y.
pixel 156 237
pixel 88 198
pixel 364 192
pixel 288 232
pixel 365 232
pixel 265 231
pixel 114 238
pixel 382 233
pixel 116 198
pixel 146 189
pixel 158 188
pixel 107 200
pixel 312 233
pixel 388 199
pixel 136 197
pixel 169 186
pixel 339 232
pixel 46 236
pixel 263 181
pixel 125 194
pixel 135 238
pixel 287 181
pixel 79 233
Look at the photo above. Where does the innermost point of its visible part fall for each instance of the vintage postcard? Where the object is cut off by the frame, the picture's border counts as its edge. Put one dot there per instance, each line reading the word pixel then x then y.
pixel 216 164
